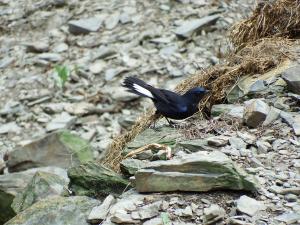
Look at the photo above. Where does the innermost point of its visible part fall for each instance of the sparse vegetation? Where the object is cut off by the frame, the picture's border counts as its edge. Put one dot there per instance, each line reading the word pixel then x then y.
pixel 61 75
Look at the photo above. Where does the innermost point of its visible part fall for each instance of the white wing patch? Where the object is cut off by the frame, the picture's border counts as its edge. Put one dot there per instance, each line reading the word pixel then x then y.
pixel 142 90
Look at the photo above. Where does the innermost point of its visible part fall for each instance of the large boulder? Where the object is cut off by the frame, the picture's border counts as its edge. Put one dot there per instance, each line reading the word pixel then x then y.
pixel 57 210
pixel 200 171
pixel 61 149
pixel 13 183
pixel 95 180
pixel 42 185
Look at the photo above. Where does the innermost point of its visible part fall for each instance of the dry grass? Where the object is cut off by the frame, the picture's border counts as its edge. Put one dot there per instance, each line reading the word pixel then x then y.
pixel 279 18
pixel 256 58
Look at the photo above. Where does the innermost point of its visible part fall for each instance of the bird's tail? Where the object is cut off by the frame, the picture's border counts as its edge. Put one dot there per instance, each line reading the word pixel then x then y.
pixel 138 87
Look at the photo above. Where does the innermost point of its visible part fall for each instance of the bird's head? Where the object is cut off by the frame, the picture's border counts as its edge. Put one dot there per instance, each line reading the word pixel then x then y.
pixel 196 94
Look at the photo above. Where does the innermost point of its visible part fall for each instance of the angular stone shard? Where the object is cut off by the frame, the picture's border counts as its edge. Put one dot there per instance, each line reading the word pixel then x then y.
pixel 200 171
pixel 255 112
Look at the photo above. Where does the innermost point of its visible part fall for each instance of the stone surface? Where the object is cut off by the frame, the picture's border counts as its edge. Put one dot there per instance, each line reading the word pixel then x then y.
pixel 255 112
pixel 249 206
pixel 292 119
pixel 213 214
pixel 14 183
pixel 43 185
pixel 84 26
pixel 289 218
pixel 201 171
pixel 189 27
pixel 57 210
pixel 92 179
pixel 292 78
pixel 99 213
pixel 130 166
pixel 61 149
pixel 228 109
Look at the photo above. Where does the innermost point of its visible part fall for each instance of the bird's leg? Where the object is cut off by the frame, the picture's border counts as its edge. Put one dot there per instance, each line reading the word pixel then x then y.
pixel 171 123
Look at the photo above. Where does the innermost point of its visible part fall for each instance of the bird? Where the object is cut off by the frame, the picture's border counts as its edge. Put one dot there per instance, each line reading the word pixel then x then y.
pixel 168 103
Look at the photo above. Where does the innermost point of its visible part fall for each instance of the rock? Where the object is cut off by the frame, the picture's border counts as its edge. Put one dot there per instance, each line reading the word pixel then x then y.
pixel 272 116
pixel 41 186
pixel 249 206
pixel 122 217
pixel 13 183
pixel 60 47
pixel 293 120
pixel 79 108
pixel 38 47
pixel 213 214
pixel 291 198
pixel 237 143
pixel 130 166
pixel 61 121
pixel 112 21
pixel 163 135
pixel 236 111
pixel 85 26
pixel 149 211
pixel 93 179
pixel 6 61
pixel 196 145
pixel 99 213
pixel 97 67
pixel 292 78
pixel 154 221
pixel 217 141
pixel 247 137
pixel 11 127
pixel 255 112
pixel 263 146
pixel 257 86
pixel 289 218
pixel 61 149
pixel 189 27
pixel 57 210
pixel 200 171
pixel 51 57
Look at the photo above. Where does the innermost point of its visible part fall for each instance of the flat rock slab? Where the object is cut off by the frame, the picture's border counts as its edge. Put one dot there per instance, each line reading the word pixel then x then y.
pixel 61 149
pixel 84 26
pixel 93 179
pixel 189 27
pixel 57 210
pixel 256 112
pixel 200 171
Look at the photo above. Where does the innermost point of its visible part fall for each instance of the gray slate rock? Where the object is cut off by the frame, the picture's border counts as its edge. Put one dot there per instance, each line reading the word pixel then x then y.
pixel 236 111
pixel 292 78
pixel 131 166
pixel 13 183
pixel 92 179
pixel 249 206
pixel 61 149
pixel 293 120
pixel 200 171
pixel 85 26
pixel 213 214
pixel 41 186
pixel 99 213
pixel 189 27
pixel 57 210
pixel 51 57
pixel 288 218
pixel 255 112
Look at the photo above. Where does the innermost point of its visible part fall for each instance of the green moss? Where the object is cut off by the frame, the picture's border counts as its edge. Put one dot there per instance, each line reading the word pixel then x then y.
pixel 77 145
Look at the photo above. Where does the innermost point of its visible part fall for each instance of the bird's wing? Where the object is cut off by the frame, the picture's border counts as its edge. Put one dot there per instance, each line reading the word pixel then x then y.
pixel 174 100
pixel 141 88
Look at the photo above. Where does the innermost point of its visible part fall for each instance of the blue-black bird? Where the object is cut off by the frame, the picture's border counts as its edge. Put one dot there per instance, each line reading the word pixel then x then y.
pixel 168 104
